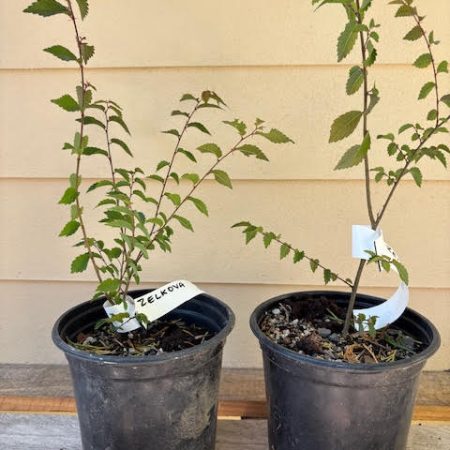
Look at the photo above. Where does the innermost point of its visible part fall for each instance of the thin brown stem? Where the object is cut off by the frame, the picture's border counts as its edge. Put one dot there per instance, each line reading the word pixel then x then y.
pixel 78 164
pixel 351 303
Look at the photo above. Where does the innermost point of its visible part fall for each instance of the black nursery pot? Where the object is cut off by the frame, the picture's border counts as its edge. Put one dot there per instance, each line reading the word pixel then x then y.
pixel 162 402
pixel 324 405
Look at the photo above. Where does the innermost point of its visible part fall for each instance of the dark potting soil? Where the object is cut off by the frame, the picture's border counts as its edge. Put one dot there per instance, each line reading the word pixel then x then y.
pixel 313 327
pixel 161 336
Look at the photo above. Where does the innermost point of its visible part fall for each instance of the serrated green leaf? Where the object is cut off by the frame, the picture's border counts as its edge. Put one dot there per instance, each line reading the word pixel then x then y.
pixel 70 228
pixel 199 126
pixel 252 150
pixel 184 222
pixel 402 272
pixel 69 196
pixel 344 125
pixel 314 264
pixel 61 52
pixel 88 151
pixel 222 178
pixel 275 136
pixel 405 11
pixel 199 204
pixel 284 250
pixel 442 67
pixel 46 8
pixel 188 154
pixel 268 238
pixel 446 100
pixel 122 144
pixel 210 148
pixel 423 61
pixel 87 52
pixel 84 8
pixel 346 41
pixel 66 102
pixel 238 125
pixel 119 121
pixel 80 263
pixel 119 223
pixel 108 285
pixel 174 198
pixel 354 155
pixel 414 34
pixel 417 175
pixel 298 256
pixel 355 80
pixel 90 120
pixel 426 89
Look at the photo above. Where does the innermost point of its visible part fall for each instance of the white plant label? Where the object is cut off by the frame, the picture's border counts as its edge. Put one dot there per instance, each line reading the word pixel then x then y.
pixel 161 301
pixel 364 238
pixel 126 325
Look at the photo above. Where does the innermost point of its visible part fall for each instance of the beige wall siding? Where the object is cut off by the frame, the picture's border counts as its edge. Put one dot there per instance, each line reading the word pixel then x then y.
pixel 278 67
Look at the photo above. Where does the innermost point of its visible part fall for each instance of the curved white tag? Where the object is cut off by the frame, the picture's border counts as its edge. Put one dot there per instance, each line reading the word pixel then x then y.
pixel 364 238
pixel 128 324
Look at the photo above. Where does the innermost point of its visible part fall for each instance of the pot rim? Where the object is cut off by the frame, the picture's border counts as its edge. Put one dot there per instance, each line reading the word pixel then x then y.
pixel 160 358
pixel 336 365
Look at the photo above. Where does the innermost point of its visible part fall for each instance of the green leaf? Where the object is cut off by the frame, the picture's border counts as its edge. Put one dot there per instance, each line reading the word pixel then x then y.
pixel 199 204
pixel 70 228
pixel 417 175
pixel 344 125
pixel 199 126
pixel 314 264
pixel 84 8
pixel 298 256
pixel 191 177
pixel 405 127
pixel 252 150
pixel 173 132
pixel 423 61
pixel 238 125
pixel 405 11
pixel 108 285
pixel 61 52
pixel 120 223
pixel 122 144
pixel 402 272
pixel 98 184
pixel 426 89
pixel 222 178
pixel 442 67
pixel 275 136
pixel 90 120
pixel 80 263
pixel 120 121
pixel 210 148
pixel 88 151
pixel 184 222
pixel 250 233
pixel 414 34
pixel 268 238
pixel 87 52
pixel 284 250
pixel 174 198
pixel 179 113
pixel 162 164
pixel 346 41
pixel 354 155
pixel 66 102
pixel 69 196
pixel 187 97
pixel 432 115
pixel 446 100
pixel 188 154
pixel 46 8
pixel 355 80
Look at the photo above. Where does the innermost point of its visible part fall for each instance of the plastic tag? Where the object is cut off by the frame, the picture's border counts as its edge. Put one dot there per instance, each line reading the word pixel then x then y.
pixel 364 238
pixel 128 324
pixel 161 301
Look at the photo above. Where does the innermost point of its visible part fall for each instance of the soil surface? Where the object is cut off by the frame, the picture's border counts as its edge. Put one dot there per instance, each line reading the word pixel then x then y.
pixel 313 327
pixel 161 336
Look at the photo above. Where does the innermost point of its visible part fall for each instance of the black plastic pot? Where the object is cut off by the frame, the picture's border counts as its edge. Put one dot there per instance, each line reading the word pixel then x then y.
pixel 323 405
pixel 162 402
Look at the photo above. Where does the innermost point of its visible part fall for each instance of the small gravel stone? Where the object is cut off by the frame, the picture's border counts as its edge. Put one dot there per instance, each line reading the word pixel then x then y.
pixel 324 332
pixel 334 337
pixel 276 311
